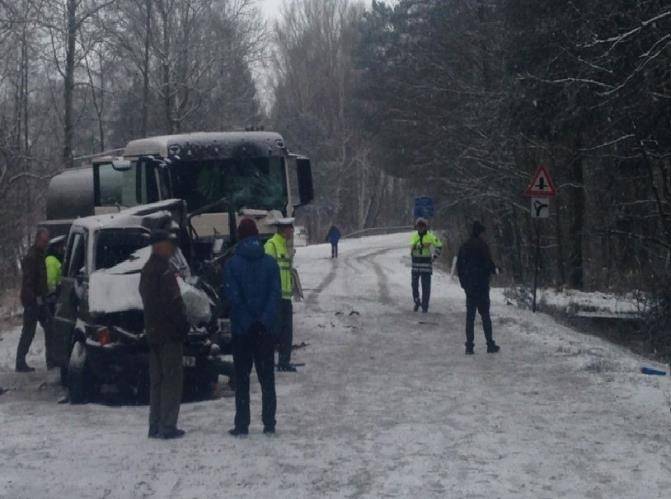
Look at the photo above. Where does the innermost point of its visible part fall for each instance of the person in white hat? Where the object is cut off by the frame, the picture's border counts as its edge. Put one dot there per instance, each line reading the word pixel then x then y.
pixel 281 249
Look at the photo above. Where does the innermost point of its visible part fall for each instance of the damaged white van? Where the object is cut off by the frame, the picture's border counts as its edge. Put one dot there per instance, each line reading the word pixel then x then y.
pixel 98 322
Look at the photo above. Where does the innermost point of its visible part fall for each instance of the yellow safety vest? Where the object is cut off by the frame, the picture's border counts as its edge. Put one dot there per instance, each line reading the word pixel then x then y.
pixel 276 247
pixel 422 249
pixel 54 267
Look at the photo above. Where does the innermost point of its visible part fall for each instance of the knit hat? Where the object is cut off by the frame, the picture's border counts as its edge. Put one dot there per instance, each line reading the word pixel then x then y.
pixel 247 228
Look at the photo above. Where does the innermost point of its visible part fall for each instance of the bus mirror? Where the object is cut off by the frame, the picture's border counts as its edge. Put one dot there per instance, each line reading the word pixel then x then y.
pixel 306 191
pixel 121 165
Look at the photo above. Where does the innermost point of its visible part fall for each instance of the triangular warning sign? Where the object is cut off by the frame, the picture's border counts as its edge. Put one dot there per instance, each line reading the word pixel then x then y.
pixel 542 185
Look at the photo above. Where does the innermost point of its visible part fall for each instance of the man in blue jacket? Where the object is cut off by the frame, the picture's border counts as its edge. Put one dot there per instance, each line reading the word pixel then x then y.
pixel 333 237
pixel 252 286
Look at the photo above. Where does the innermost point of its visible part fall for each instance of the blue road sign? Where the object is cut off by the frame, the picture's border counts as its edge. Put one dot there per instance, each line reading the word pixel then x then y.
pixel 423 207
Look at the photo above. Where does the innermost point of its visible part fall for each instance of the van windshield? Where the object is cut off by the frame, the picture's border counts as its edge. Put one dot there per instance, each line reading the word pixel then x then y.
pixel 246 182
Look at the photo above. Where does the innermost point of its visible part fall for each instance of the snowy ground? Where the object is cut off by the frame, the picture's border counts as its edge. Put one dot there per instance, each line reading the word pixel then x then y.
pixel 387 406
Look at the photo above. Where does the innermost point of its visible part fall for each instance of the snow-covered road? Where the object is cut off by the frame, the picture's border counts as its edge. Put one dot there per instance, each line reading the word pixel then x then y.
pixel 388 405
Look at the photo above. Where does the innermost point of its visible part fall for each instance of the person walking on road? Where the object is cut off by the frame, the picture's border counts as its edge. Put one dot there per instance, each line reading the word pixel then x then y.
pixel 166 326
pixel 475 267
pixel 425 247
pixel 333 237
pixel 280 248
pixel 34 292
pixel 252 286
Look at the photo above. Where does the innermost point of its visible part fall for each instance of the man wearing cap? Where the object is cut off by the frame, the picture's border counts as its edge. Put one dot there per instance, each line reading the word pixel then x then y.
pixel 166 327
pixel 252 286
pixel 475 267
pixel 34 291
pixel 279 247
pixel 425 247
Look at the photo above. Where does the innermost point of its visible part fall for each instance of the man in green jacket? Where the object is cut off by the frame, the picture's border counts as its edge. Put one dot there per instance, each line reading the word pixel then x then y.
pixel 425 247
pixel 280 247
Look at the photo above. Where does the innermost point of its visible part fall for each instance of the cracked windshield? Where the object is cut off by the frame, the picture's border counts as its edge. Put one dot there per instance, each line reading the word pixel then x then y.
pixel 247 183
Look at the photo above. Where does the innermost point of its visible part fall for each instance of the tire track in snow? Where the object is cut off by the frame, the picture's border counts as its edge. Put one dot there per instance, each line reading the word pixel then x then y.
pixel 354 261
pixel 313 297
pixel 382 279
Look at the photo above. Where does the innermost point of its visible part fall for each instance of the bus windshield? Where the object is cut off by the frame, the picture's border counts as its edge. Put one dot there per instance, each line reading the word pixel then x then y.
pixel 245 182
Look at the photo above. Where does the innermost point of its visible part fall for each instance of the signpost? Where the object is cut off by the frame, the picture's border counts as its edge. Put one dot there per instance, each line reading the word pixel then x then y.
pixel 541 190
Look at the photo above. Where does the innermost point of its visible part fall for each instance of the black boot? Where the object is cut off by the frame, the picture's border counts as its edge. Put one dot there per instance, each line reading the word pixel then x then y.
pixel 238 432
pixel 493 348
pixel 286 368
pixel 22 367
pixel 172 434
pixel 417 305
pixel 469 349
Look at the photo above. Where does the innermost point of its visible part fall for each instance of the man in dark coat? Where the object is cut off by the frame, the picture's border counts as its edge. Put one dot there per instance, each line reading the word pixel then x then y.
pixel 475 267
pixel 166 327
pixel 333 237
pixel 252 286
pixel 34 292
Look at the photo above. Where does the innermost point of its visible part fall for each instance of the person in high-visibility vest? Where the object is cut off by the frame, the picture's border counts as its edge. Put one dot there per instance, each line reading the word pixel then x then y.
pixel 54 264
pixel 280 247
pixel 425 247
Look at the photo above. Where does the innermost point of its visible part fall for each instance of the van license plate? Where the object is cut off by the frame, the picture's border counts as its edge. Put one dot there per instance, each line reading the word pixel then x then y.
pixel 189 361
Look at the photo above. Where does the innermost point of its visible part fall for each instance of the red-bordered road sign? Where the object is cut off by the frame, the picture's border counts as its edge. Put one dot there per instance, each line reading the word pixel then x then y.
pixel 542 185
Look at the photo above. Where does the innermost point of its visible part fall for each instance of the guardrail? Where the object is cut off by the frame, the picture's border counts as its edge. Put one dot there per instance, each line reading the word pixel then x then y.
pixel 378 231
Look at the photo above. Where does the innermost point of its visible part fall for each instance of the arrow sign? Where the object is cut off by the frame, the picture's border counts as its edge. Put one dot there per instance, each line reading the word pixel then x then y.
pixel 540 208
pixel 542 185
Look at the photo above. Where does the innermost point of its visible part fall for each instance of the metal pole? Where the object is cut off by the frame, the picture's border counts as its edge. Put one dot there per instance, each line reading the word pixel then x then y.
pixel 536 266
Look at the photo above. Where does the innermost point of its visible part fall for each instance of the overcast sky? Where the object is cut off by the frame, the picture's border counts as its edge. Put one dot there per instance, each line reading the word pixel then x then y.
pixel 272 7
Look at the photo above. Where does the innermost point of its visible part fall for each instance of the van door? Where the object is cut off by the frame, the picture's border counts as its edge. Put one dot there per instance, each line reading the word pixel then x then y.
pixel 71 297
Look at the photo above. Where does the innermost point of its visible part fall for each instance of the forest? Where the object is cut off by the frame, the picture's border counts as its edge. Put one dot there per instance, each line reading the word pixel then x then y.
pixel 457 99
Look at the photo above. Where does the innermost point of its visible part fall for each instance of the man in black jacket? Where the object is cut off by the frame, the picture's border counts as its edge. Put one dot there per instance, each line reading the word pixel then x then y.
pixel 475 267
pixel 166 327
pixel 34 291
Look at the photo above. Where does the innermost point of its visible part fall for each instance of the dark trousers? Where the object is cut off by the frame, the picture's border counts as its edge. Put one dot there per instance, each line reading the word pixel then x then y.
pixel 166 381
pixel 334 250
pixel 256 348
pixel 285 332
pixel 425 278
pixel 32 314
pixel 478 301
